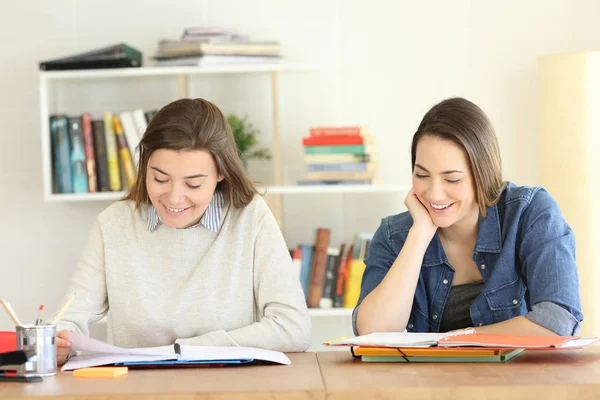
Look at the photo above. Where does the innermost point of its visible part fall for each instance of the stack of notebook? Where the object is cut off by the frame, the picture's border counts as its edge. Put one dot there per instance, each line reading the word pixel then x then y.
pixel 461 346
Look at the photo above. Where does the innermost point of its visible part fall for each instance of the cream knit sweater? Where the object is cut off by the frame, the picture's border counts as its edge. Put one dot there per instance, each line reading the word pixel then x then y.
pixel 234 287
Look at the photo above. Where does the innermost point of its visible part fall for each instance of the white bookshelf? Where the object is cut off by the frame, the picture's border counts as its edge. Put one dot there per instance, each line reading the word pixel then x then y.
pixel 326 322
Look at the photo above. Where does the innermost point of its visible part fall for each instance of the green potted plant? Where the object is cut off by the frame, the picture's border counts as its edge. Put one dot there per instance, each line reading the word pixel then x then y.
pixel 246 139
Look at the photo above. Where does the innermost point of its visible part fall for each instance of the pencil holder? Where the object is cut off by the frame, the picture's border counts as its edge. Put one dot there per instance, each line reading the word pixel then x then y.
pixel 42 339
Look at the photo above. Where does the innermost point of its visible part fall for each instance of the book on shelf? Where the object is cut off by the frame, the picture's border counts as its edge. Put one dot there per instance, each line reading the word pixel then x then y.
pixel 78 167
pixel 254 48
pixel 100 151
pixel 340 158
pixel 61 154
pixel 124 152
pixel 90 156
pixel 364 182
pixel 116 56
pixel 340 176
pixel 361 131
pixel 343 167
pixel 112 153
pixel 215 60
pixel 333 260
pixel 337 140
pixel 361 149
pixel 319 267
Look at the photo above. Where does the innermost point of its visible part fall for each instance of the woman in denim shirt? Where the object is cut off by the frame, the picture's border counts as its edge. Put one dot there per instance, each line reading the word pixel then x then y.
pixel 472 250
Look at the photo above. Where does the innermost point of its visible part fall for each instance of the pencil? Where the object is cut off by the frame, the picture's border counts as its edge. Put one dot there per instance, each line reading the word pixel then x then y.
pixel 38 321
pixel 63 309
pixel 10 311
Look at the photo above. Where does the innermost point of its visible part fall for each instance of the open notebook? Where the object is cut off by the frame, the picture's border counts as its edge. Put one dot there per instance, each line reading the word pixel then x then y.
pixel 464 338
pixel 92 353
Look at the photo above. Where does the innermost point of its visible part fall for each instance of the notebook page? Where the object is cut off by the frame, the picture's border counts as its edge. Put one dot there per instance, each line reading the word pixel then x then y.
pixel 82 343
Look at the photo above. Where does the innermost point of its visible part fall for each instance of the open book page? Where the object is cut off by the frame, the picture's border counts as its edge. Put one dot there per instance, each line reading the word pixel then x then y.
pixel 82 343
pixel 391 339
pixel 193 353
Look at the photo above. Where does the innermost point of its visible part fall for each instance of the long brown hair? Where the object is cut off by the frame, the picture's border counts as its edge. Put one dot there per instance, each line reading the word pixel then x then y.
pixel 464 123
pixel 194 124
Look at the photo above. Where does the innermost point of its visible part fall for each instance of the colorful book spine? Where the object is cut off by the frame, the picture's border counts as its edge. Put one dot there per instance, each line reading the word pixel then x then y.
pixel 339 176
pixel 112 153
pixel 318 268
pixel 336 140
pixel 352 149
pixel 78 167
pixel 339 130
pixel 100 150
pixel 339 158
pixel 90 156
pixel 124 152
pixel 61 154
pixel 345 167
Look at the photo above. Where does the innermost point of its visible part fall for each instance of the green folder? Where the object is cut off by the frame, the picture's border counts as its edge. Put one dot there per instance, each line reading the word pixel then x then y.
pixel 486 359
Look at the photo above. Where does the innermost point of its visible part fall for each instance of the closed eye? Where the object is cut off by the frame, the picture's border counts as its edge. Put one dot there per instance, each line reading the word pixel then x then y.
pixel 453 180
pixel 420 176
pixel 159 181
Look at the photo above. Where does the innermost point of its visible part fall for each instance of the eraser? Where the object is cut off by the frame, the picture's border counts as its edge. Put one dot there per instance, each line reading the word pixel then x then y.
pixel 100 372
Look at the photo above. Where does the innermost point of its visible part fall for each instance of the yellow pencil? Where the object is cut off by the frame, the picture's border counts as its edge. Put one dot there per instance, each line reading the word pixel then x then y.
pixel 63 309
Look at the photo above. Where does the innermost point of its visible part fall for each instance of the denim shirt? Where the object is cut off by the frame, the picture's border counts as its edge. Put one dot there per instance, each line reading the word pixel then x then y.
pixel 525 252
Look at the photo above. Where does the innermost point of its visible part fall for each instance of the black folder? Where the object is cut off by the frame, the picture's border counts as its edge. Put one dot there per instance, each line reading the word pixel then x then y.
pixel 116 56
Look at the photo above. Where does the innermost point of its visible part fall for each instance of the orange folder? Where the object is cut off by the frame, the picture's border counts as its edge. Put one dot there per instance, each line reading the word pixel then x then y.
pixel 515 341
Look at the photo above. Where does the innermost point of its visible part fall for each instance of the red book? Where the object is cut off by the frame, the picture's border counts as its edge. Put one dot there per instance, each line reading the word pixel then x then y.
pixel 339 130
pixel 333 140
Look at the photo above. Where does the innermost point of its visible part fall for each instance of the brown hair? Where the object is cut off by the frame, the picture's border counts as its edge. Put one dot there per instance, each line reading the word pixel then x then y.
pixel 464 123
pixel 194 124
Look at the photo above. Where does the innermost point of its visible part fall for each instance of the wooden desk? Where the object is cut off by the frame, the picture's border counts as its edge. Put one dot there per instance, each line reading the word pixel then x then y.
pixel 534 375
pixel 301 380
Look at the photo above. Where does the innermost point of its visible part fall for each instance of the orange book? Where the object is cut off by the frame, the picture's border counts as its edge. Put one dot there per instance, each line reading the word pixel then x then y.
pixel 336 140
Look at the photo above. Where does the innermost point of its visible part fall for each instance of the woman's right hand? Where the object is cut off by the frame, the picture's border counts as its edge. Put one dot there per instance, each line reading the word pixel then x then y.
pixel 422 221
pixel 63 347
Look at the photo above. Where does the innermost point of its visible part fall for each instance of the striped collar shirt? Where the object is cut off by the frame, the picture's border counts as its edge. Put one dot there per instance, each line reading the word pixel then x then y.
pixel 211 219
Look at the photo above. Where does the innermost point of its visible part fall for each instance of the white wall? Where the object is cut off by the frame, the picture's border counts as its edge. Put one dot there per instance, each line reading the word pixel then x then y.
pixel 381 63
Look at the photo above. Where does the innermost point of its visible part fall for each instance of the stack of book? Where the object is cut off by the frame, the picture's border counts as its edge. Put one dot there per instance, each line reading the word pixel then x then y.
pixel 340 155
pixel 458 346
pixel 205 46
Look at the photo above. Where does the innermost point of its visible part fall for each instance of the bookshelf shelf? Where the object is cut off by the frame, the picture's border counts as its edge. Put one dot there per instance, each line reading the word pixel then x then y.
pixel 273 190
pixel 162 71
pixel 330 312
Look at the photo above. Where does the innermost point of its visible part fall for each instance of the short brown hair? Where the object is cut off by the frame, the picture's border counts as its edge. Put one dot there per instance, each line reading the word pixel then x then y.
pixel 464 123
pixel 194 124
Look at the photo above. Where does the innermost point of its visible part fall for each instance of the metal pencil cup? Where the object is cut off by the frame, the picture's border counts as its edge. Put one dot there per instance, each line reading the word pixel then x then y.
pixel 42 339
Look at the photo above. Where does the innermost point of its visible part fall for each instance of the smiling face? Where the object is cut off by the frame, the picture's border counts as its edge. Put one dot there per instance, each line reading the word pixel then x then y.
pixel 181 185
pixel 443 182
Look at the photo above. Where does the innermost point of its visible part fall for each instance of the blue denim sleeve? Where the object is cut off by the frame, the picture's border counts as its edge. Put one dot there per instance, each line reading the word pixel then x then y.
pixel 547 254
pixel 378 262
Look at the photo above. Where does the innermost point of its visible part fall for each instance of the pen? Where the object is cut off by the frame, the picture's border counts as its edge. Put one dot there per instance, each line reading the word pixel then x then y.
pixel 10 311
pixel 38 321
pixel 63 309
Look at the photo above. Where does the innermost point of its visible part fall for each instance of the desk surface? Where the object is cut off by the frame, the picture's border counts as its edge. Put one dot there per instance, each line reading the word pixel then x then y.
pixel 302 378
pixel 533 375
